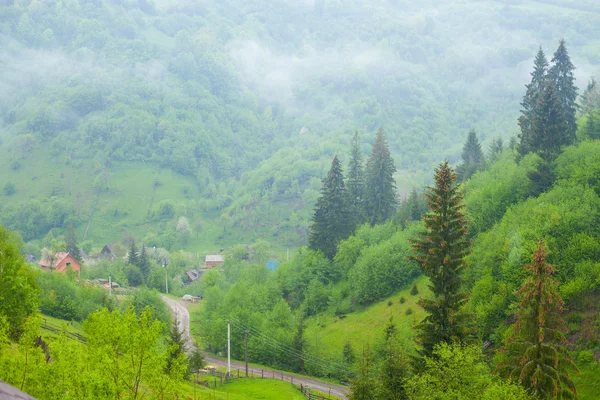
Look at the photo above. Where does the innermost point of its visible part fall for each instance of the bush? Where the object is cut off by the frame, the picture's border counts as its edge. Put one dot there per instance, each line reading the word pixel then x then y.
pixel 9 189
pixel 409 311
pixel 585 357
pixel 390 303
pixel 414 291
pixel 402 300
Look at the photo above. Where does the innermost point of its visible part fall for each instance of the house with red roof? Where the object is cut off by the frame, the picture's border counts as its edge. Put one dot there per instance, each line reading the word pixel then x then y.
pixel 60 262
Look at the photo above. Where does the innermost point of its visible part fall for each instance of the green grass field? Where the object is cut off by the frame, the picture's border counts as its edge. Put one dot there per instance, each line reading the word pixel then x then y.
pixel 247 389
pixel 329 334
pixel 123 208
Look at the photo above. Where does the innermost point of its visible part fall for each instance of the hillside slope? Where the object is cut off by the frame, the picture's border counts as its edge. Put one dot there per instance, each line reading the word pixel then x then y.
pixel 248 101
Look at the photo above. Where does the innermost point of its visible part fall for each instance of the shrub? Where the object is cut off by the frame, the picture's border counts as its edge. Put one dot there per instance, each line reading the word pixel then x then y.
pixel 409 311
pixel 9 189
pixel 390 303
pixel 414 291
pixel 402 300
pixel 585 357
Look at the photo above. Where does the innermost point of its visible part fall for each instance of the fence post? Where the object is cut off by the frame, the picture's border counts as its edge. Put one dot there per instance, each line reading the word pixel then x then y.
pixel 282 376
pixel 262 373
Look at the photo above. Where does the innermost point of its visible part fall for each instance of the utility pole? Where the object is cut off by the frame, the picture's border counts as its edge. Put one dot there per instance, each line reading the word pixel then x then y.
pixel 246 354
pixel 228 348
pixel 165 263
pixel 109 286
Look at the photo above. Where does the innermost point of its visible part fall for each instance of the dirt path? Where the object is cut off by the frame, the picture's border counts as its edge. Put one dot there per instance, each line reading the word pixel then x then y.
pixel 183 316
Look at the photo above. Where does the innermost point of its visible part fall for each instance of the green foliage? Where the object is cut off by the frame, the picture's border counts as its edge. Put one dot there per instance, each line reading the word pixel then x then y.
pixel 331 222
pixel 18 289
pixel 440 253
pixel 71 243
pixel 472 156
pixel 143 299
pixel 457 372
pixel 380 197
pixel 561 74
pixel 394 369
pixel 64 298
pixel 535 352
pixel 383 268
pixel 364 384
pixel 9 189
pixel 355 183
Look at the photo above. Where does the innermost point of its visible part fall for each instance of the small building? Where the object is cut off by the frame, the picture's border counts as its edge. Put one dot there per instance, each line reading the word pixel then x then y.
pixel 108 251
pixel 30 258
pixel 193 275
pixel 213 260
pixel 60 263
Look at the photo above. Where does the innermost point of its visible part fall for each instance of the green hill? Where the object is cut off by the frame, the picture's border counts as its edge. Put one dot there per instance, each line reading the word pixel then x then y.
pixel 246 102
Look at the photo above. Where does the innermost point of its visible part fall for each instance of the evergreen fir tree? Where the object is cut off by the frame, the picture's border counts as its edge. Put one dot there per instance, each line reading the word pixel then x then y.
pixel 380 195
pixel 394 368
pixel 356 182
pixel 495 148
pixel 363 385
pixel 71 242
pixel 298 345
pixel 472 156
pixel 440 252
pixel 348 354
pixel 590 99
pixel 176 343
pixel 536 352
pixel 532 94
pixel 132 256
pixel 549 128
pixel 541 178
pixel 561 74
pixel 331 221
pixel 144 263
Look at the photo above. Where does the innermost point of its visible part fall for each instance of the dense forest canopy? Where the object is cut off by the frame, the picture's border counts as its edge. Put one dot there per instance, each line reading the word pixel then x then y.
pixel 251 99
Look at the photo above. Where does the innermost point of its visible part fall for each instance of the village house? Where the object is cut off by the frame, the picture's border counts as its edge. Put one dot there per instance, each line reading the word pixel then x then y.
pixel 213 260
pixel 60 263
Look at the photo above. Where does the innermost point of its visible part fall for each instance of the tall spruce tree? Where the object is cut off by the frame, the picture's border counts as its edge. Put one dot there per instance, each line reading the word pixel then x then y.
pixel 394 369
pixel 549 127
pixel 71 242
pixel 590 99
pixel 495 148
pixel 561 73
pixel 132 256
pixel 472 156
pixel 532 94
pixel 331 221
pixel 143 263
pixel 355 182
pixel 380 194
pixel 536 351
pixel 363 386
pixel 440 252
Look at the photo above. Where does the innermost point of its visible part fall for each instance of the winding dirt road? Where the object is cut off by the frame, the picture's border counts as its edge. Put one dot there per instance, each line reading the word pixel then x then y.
pixel 183 317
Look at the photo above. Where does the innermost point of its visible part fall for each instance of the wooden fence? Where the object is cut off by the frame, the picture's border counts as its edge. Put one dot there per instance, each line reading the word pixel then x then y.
pixel 60 330
pixel 308 394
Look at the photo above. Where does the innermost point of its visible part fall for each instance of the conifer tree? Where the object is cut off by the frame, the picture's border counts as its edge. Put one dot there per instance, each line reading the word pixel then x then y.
pixel 363 385
pixel 532 94
pixel 132 256
pixel 356 182
pixel 394 368
pixel 495 148
pixel 331 221
pixel 176 344
pixel 380 195
pixel 440 252
pixel 536 352
pixel 590 99
pixel 472 156
pixel 561 74
pixel 71 242
pixel 549 128
pixel 144 263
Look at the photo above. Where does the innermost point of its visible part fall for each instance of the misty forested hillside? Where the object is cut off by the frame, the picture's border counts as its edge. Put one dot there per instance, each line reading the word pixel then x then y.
pixel 121 117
